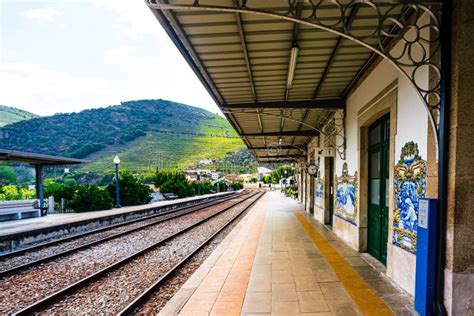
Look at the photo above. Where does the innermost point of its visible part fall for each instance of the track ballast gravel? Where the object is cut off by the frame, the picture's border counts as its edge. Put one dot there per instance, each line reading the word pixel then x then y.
pixel 24 288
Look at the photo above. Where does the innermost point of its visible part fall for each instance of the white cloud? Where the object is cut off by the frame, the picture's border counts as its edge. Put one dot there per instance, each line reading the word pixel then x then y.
pixel 127 55
pixel 42 14
pixel 134 16
pixel 45 91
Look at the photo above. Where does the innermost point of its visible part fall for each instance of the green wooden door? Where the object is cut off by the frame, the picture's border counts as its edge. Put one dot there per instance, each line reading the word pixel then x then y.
pixel 331 190
pixel 379 141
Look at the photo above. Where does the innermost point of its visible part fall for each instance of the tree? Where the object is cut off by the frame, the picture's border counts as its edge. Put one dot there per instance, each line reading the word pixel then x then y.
pixel 180 188
pixel 89 198
pixel 132 190
pixel 13 192
pixel 7 175
pixel 267 179
pixel 173 182
pixel 279 173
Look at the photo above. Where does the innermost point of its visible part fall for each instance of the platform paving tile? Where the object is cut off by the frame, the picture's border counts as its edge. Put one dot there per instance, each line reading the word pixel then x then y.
pixel 278 269
pixel 284 292
pixel 282 276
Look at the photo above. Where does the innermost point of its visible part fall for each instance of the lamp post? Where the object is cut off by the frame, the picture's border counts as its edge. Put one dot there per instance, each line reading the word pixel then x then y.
pixel 198 178
pixel 117 190
pixel 285 179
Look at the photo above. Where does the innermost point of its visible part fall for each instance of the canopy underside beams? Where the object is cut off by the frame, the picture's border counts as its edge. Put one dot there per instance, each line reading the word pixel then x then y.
pixel 245 62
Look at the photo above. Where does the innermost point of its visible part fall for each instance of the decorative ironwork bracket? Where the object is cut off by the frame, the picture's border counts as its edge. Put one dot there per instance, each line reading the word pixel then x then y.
pixel 332 129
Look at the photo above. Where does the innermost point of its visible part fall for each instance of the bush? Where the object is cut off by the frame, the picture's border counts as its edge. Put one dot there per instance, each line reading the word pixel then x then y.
pixel 221 186
pixel 253 180
pixel 60 191
pixel 132 190
pixel 291 191
pixel 267 179
pixel 13 192
pixel 237 185
pixel 89 198
pixel 203 187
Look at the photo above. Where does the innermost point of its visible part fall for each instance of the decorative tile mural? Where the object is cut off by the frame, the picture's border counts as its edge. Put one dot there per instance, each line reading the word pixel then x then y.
pixel 409 187
pixel 319 192
pixel 346 196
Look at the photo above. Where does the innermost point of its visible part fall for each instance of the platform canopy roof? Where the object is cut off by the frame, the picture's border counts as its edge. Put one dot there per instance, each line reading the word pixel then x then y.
pixel 277 81
pixel 37 159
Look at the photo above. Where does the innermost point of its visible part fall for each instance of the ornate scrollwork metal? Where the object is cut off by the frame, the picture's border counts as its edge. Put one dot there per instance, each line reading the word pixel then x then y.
pixel 331 127
pixel 334 133
pixel 407 34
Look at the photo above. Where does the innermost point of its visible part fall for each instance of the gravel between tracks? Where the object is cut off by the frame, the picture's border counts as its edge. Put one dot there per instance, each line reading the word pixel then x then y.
pixel 111 293
pixel 28 286
pixel 159 299
pixel 45 251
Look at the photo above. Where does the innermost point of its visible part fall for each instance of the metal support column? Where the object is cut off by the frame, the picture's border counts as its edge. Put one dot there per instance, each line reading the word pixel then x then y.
pixel 39 186
pixel 445 95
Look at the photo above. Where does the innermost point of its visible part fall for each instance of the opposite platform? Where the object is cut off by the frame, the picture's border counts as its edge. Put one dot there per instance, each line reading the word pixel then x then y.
pixel 279 261
pixel 19 233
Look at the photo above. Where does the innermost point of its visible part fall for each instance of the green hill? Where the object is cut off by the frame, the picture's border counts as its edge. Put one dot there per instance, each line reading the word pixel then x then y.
pixel 145 134
pixel 9 115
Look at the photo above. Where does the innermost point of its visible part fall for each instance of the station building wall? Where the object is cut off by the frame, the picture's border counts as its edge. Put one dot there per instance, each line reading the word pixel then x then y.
pixel 384 90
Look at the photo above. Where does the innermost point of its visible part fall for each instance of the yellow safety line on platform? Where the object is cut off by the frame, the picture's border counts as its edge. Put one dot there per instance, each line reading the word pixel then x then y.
pixel 367 300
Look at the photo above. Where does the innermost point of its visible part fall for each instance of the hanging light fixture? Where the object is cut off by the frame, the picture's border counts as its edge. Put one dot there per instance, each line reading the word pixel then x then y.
pixel 292 67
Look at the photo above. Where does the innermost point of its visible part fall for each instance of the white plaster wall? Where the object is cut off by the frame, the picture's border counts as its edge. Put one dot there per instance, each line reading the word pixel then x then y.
pixel 412 125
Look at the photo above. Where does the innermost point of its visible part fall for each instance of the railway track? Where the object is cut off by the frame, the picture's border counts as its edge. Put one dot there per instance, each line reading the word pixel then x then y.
pixel 21 259
pixel 123 285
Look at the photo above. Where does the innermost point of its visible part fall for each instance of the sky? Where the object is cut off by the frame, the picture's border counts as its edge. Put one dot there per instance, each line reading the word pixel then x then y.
pixel 70 55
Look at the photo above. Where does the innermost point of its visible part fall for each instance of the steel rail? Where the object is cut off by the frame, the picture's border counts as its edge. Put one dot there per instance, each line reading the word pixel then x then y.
pixel 139 300
pixel 176 213
pixel 56 296
pixel 98 230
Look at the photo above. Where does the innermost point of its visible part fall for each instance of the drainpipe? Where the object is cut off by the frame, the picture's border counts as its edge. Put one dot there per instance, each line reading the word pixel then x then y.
pixel 445 95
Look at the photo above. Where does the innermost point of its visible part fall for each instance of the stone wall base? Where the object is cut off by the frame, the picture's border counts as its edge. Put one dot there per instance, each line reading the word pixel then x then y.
pixel 401 268
pixel 459 293
pixel 347 232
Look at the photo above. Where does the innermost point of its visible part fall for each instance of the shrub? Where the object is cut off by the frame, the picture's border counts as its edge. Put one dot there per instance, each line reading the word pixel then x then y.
pixel 60 190
pixel 237 185
pixel 203 187
pixel 132 190
pixel 253 180
pixel 267 179
pixel 13 192
pixel 221 186
pixel 89 198
pixel 291 191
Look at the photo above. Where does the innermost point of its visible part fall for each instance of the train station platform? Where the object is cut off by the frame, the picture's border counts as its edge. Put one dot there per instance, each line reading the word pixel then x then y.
pixel 279 261
pixel 21 232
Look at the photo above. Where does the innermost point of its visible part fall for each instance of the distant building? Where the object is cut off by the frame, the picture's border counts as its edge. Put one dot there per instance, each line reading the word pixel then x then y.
pixel 205 162
pixel 246 176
